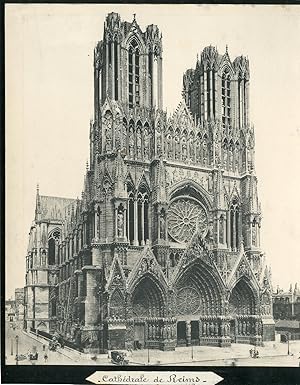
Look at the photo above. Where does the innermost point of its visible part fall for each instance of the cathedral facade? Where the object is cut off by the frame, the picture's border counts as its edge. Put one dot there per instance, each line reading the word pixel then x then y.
pixel 163 248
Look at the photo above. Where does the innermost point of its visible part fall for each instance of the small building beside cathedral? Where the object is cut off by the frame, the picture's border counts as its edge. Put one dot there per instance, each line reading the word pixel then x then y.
pixel 286 304
pixel 163 248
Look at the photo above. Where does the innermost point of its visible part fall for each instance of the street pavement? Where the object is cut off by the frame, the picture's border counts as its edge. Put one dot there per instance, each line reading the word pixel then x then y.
pixel 272 354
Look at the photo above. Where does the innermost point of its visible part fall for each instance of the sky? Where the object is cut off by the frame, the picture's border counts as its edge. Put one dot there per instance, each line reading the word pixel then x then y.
pixel 49 103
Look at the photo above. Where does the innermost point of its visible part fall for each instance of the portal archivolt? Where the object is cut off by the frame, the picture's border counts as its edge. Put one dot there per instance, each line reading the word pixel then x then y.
pixel 198 291
pixel 148 299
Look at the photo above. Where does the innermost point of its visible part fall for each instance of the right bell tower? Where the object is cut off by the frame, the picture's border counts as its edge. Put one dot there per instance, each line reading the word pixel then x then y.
pixel 218 89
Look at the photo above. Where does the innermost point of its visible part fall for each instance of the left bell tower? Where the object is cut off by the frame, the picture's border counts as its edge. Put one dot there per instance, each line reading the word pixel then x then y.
pixel 128 65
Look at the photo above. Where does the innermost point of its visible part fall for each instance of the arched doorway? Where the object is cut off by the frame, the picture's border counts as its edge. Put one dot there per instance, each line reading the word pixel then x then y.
pixel 147 310
pixel 242 307
pixel 198 304
pixel 242 300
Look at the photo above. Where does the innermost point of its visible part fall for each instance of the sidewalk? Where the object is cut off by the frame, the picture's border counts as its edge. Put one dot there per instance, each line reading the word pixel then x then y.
pixel 205 354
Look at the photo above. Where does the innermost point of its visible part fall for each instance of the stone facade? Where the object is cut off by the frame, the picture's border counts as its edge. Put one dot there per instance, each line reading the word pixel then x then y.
pixel 163 248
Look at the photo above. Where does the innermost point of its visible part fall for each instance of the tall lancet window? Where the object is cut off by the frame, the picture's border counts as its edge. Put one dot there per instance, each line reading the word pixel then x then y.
pixel 116 70
pixel 53 241
pixel 226 99
pixel 233 234
pixel 133 75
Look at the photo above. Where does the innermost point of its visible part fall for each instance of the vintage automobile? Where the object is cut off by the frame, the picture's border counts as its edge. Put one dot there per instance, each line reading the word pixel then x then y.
pixel 33 356
pixel 118 358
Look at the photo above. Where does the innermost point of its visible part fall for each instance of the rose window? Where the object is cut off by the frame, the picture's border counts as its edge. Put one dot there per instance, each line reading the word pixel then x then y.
pixel 185 216
pixel 188 301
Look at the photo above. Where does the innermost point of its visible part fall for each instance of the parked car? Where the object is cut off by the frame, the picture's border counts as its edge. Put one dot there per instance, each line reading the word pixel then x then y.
pixel 118 358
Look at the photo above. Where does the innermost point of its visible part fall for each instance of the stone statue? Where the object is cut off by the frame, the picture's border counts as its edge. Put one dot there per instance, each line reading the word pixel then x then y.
pixel 162 226
pixel 230 159
pixel 107 140
pixel 184 151
pixel 118 138
pixel 177 148
pixel 169 147
pixel 131 143
pixel 120 224
pixel 221 230
pixel 146 145
pixel 159 150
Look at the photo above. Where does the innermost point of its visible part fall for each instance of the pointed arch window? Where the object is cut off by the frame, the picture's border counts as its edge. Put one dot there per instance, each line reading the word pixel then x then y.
pixel 130 214
pixel 53 241
pixel 208 91
pixel 226 99
pixel 133 74
pixel 137 215
pixel 233 235
pixel 143 203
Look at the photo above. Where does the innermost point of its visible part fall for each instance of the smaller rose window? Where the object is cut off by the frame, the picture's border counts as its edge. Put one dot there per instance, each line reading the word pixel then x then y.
pixel 188 301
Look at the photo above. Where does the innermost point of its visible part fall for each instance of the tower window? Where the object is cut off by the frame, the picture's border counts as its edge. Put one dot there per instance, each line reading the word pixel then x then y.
pixel 53 247
pixel 226 99
pixel 233 239
pixel 116 69
pixel 133 75
pixel 208 92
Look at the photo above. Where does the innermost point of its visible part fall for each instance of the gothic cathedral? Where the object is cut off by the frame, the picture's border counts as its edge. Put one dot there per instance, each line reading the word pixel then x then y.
pixel 163 248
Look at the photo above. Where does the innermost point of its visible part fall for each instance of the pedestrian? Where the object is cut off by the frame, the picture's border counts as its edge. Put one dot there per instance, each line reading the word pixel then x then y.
pixel 46 357
pixel 44 347
pixel 251 351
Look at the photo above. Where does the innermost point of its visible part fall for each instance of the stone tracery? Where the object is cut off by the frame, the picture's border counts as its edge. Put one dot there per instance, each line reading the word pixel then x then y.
pixel 185 216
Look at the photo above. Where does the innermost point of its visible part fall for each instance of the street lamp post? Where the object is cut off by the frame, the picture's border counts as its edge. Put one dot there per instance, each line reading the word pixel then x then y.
pixel 11 346
pixel 192 351
pixel 148 356
pixel 288 341
pixel 17 349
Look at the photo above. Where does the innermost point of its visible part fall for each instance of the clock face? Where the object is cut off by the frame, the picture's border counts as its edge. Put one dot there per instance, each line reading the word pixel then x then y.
pixel 185 217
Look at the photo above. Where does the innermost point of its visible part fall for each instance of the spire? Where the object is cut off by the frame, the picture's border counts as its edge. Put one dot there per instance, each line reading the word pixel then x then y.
pixel 38 203
pixel 226 50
